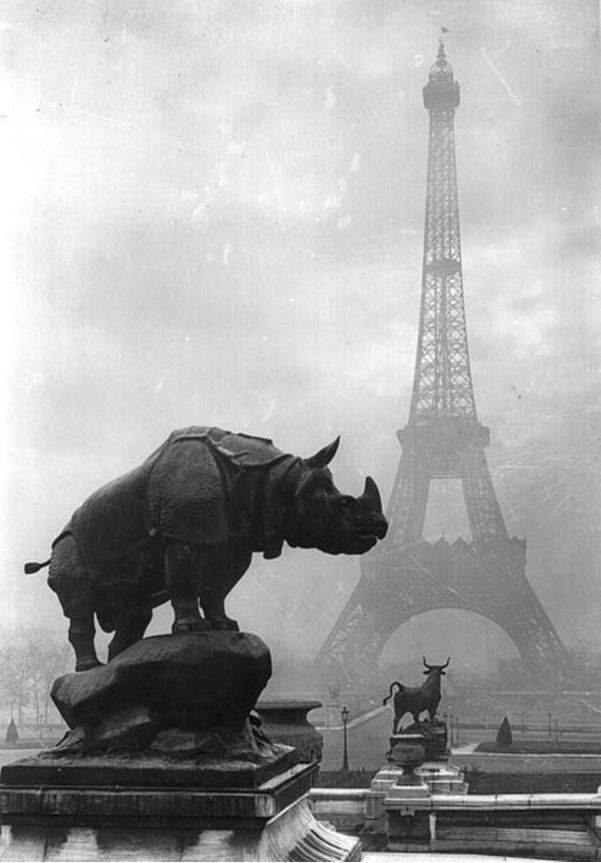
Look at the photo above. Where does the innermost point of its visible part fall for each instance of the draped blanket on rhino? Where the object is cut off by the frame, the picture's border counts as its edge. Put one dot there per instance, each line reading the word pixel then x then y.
pixel 204 487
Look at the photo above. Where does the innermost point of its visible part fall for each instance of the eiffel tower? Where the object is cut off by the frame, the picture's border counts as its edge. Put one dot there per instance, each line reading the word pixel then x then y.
pixel 406 576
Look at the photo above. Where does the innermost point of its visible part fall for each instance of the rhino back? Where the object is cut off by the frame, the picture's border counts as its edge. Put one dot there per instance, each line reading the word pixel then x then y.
pixel 188 489
pixel 249 451
pixel 109 526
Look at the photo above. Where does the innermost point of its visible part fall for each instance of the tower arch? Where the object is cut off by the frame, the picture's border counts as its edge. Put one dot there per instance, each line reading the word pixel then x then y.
pixel 473 641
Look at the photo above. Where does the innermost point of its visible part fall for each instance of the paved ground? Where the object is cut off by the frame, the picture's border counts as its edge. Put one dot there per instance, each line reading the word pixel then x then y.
pixel 367 742
pixel 393 857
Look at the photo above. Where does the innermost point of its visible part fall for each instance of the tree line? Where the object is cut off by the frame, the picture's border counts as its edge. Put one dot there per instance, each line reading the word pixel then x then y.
pixel 30 661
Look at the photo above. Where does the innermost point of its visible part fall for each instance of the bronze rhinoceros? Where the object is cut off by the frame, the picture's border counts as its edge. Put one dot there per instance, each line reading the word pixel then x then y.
pixel 183 527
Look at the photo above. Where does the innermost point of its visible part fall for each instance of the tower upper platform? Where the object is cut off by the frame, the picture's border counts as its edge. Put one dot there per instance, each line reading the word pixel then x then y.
pixel 442 91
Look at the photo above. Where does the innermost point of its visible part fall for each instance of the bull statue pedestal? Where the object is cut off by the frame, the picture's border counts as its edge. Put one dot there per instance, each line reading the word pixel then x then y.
pixel 407 826
pixel 434 771
pixel 418 767
pixel 163 760
pixel 435 739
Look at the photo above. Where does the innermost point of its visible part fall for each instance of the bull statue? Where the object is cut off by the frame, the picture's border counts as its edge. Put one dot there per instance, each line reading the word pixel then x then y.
pixel 417 699
pixel 183 527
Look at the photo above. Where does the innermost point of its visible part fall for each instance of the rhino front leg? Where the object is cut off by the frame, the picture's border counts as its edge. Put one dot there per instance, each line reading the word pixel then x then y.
pixel 221 572
pixel 180 584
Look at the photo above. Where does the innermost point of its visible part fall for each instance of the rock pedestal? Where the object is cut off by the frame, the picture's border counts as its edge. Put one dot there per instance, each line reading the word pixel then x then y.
pixel 162 760
pixel 201 683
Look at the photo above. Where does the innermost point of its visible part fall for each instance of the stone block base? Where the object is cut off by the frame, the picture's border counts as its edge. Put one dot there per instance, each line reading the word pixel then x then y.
pixel 294 834
pixel 270 822
pixel 390 787
pixel 146 771
pixel 408 830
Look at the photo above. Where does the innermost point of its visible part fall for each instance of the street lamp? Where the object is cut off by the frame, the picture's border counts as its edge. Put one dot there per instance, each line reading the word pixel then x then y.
pixel 345 714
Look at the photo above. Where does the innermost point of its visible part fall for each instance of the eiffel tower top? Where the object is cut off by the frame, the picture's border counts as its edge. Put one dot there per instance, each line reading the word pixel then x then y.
pixel 442 386
pixel 441 68
pixel 442 91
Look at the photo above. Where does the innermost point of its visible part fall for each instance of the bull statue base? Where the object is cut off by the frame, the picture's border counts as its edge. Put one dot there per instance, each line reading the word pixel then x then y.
pixel 434 739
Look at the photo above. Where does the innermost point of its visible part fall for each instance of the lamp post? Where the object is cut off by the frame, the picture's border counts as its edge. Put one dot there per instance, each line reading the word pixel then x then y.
pixel 344 714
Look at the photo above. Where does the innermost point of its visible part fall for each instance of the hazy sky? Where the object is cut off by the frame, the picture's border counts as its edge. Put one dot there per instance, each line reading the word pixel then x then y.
pixel 215 211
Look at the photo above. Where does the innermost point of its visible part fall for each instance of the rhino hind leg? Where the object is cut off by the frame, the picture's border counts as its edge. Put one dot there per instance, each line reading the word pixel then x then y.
pixel 71 582
pixel 81 637
pixel 130 628
pixel 180 584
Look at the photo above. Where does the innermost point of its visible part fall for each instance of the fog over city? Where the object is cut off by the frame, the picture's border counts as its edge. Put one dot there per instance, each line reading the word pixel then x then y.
pixel 215 212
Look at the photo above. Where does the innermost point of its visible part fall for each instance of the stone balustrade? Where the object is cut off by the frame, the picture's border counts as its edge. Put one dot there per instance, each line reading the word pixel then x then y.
pixel 558 826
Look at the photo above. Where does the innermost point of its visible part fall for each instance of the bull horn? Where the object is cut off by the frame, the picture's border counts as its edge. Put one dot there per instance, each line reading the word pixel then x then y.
pixel 322 458
pixel 372 495
pixel 426 664
pixel 447 662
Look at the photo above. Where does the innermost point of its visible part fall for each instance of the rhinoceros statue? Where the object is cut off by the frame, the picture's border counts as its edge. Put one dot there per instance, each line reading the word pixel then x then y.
pixel 183 527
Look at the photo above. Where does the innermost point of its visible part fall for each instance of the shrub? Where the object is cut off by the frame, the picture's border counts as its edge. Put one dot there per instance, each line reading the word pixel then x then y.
pixel 504 735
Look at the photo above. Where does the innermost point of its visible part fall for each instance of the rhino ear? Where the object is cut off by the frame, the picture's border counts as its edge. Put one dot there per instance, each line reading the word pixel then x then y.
pixel 322 458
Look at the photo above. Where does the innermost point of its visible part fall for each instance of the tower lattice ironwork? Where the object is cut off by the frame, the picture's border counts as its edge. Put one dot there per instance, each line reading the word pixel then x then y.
pixel 405 576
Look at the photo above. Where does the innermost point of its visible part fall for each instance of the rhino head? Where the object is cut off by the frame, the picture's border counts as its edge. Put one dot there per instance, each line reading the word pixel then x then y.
pixel 324 518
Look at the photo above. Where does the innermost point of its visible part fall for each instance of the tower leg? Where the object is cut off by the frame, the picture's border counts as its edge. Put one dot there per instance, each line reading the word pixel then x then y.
pixel 486 580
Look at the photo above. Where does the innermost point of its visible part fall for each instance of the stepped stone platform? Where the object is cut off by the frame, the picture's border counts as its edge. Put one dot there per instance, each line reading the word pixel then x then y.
pixel 270 822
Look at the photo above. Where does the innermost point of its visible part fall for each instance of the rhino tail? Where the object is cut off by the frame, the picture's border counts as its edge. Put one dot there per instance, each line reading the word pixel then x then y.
pixel 32 567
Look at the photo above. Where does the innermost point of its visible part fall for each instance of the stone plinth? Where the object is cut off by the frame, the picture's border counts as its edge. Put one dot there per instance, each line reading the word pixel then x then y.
pixel 148 770
pixel 270 822
pixel 285 721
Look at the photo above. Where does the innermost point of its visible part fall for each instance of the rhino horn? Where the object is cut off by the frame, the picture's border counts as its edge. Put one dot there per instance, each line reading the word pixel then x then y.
pixel 371 495
pixel 322 458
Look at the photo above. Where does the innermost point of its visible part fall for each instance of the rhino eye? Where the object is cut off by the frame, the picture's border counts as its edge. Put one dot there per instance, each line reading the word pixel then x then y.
pixel 345 502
